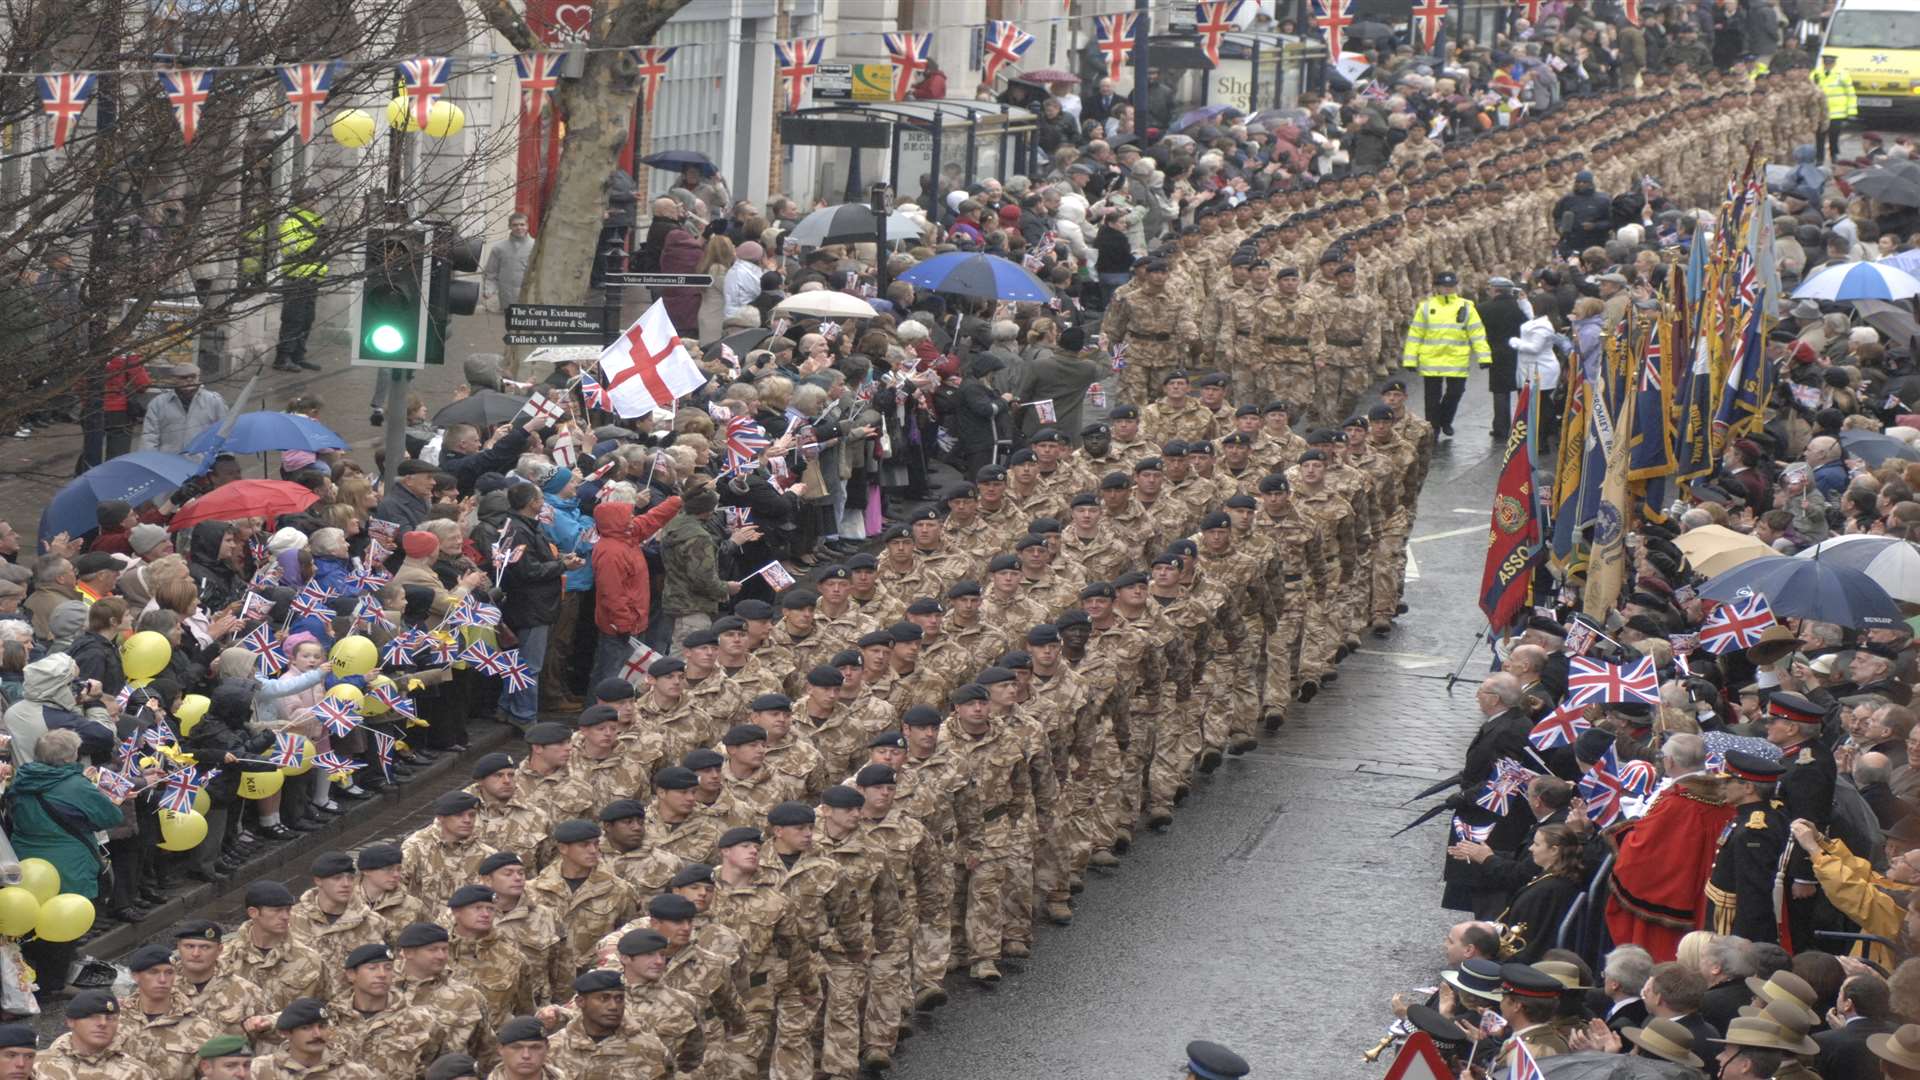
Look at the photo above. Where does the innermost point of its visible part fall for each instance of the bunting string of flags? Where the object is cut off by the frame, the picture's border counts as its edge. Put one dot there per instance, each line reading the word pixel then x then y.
pixel 1006 43
pixel 539 75
pixel 307 87
pixel 911 53
pixel 652 62
pixel 424 79
pixel 1114 36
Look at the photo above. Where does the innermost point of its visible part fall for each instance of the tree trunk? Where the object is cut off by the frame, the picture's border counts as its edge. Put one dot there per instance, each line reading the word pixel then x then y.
pixel 598 107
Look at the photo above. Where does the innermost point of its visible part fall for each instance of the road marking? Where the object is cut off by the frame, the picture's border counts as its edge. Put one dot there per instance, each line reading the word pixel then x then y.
pixel 1449 533
pixel 1470 510
pixel 1413 568
pixel 1412 659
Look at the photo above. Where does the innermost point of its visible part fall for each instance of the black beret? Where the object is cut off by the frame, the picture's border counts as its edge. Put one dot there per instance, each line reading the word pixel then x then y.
pixel 672 906
pixel 417 935
pixel 732 624
pixel 841 797
pixel 874 637
pixel 740 834
pixel 1380 412
pixel 520 1029
pixel 499 860
pixel 862 561
pixel 548 733
pixel 1073 617
pixel 771 703
pixel 615 689
pixel 622 809
pixel 875 775
pixel 1216 520
pixel 1095 430
pixel 597 981
pixel 825 677
pixel 702 638
pixel 795 599
pixel 203 929
pixel 675 778
pixel 754 610
pixel 1128 580
pixel 331 864
pixel 846 658
pixel 1085 498
pixel 925 513
pixel 367 954
pixel 149 956
pixel 666 665
pixel 1047 633
pixel 455 802
pixel 1169 558
pixel 1003 561
pixel 1022 456
pixel 889 738
pixel 1124 412
pixel 832 572
pixel 595 715
pixel 1041 526
pixel 642 942
pixel 967 692
pixel 379 856
pixel 452 1067
pixel 302 1012
pixel 992 676
pixel 1030 540
pixel 790 813
pixel 1173 448
pixel 691 874
pixel 577 831
pixel 93 1003
pixel 1146 464
pixel 467 895
pixel 903 632
pixel 963 587
pixel 1237 438
pixel 742 734
pixel 1115 481
pixel 268 894
pixel 1313 455
pixel 1045 434
pixel 1199 447
pixel 1240 502
pixel 490 764
pixel 1015 660
pixel 920 716
pixel 14 1036
pixel 925 605
pixel 964 491
pixel 702 758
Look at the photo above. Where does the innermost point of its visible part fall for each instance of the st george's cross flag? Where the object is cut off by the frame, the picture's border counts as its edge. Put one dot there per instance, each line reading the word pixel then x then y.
pixel 647 368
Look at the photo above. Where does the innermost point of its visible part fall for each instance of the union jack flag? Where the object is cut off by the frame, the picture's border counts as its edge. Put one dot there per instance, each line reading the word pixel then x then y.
pixel 484 657
pixel 116 784
pixel 1602 788
pixel 187 91
pixel 1509 779
pixel 745 441
pixel 1524 1067
pixel 64 97
pixel 505 553
pixel 159 733
pixel 1737 625
pixel 539 74
pixel 426 79
pixel 1559 727
pixel 1471 834
pixel 332 762
pixel 177 789
pixel 1005 44
pixel 473 612
pixel 738 517
pixel 287 749
pixel 383 752
pixel 1581 636
pixel 268 575
pixel 441 649
pixel 798 61
pixel 365 579
pixel 652 61
pixel 338 716
pixel 594 393
pixel 910 54
pixel 369 611
pixel 309 602
pixel 1638 778
pixel 514 670
pixel 257 549
pixel 1212 19
pixel 400 648
pixel 307 86
pixel 1114 36
pixel 1650 370
pixel 254 606
pixel 389 695
pixel 125 695
pixel 128 748
pixel 1591 680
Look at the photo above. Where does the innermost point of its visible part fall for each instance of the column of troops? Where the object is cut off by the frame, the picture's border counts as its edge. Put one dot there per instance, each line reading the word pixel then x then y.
pixel 768 855
pixel 1303 294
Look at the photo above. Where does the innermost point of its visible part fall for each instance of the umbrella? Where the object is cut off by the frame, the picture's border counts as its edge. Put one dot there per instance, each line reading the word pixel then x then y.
pixel 564 354
pixel 1201 115
pixel 825 304
pixel 1874 448
pixel 848 223
pixel 675 160
pixel 741 342
pixel 135 477
pixel 1594 1065
pixel 1049 75
pixel 982 277
pixel 483 410
pixel 1808 589
pixel 1887 186
pixel 1858 281
pixel 1714 549
pixel 1894 320
pixel 1892 562
pixel 244 499
pixel 258 432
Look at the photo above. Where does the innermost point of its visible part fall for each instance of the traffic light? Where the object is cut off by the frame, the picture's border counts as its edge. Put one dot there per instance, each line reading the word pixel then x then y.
pixel 389 319
pixel 447 295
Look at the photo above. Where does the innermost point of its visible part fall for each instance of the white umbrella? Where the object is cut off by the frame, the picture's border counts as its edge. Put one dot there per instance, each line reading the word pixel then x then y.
pixel 1892 563
pixel 825 304
pixel 1859 281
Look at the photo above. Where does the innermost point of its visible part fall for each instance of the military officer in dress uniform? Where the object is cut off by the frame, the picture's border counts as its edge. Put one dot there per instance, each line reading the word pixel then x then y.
pixel 1747 870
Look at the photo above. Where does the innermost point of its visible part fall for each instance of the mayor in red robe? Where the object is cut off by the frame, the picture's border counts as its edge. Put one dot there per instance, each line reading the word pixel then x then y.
pixel 1661 864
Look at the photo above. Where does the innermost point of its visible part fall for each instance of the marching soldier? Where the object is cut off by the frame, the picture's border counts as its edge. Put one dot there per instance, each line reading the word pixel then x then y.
pixel 1154 327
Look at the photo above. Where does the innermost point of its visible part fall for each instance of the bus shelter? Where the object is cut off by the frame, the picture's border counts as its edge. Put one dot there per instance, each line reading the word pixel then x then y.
pixel 920 139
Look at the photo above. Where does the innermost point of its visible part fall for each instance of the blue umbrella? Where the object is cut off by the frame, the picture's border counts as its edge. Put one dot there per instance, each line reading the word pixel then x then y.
pixel 259 432
pixel 135 477
pixel 1874 448
pixel 675 160
pixel 1808 589
pixel 1201 115
pixel 982 277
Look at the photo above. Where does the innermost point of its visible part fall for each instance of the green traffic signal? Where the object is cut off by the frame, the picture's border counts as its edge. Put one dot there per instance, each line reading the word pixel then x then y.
pixel 387 340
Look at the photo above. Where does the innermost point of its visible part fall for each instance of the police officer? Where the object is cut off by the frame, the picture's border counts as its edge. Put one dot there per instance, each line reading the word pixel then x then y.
pixel 1445 337
pixel 304 269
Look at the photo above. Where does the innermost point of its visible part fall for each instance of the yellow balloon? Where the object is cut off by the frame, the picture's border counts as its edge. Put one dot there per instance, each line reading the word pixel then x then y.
pixel 145 654
pixel 64 918
pixel 191 709
pixel 354 655
pixel 400 113
pixel 19 911
pixel 306 758
pixel 182 832
pixel 39 877
pixel 346 691
pixel 202 802
pixel 445 119
pixel 353 128
pixel 261 785
pixel 138 684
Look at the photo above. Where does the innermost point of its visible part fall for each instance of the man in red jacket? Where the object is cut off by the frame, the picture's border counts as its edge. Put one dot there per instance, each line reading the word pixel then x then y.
pixel 621 589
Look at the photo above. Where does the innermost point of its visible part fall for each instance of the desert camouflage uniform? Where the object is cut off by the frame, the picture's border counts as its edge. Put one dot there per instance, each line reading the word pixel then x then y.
pixel 816 903
pixel 1332 519
pixel 916 864
pixel 1355 322
pixel 663 732
pixel 333 937
pixel 673 1016
pixel 632 1053
pixel 227 1000
pixel 457 1008
pixel 560 793
pixel 646 869
pixel 995 765
pixel 494 965
pixel 398 1041
pixel 718 702
pixel 758 912
pixel 1158 332
pixel 284 972
pixel 435 866
pixel 838 738
pixel 935 792
pixel 797 758
pixel 1104 557
pixel 1163 421
pixel 692 840
pixel 167 1043
pixel 867 918
pixel 611 778
pixel 336 1063
pixel 588 910
pixel 515 825
pixel 1292 333
pixel 535 929
pixel 754 678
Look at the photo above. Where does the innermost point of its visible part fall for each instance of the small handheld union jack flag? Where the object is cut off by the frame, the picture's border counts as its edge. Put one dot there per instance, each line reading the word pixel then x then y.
pixel 482 656
pixel 368 611
pixel 113 782
pixel 1602 788
pixel 158 733
pixel 505 553
pixel 1559 727
pixel 365 579
pixel 1471 834
pixel 383 752
pixel 1524 1067
pixel 1509 779
pixel 268 575
pixel 594 393
pixel 338 716
pixel 128 749
pixel 746 441
pixel 333 762
pixel 1591 680
pixel 514 670
pixel 1737 625
pixel 309 602
pixel 287 749
pixel 389 695
pixel 400 648
pixel 177 789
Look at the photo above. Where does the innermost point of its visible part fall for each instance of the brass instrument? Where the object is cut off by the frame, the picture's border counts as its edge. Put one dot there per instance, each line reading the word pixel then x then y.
pixel 1513 940
pixel 1386 1043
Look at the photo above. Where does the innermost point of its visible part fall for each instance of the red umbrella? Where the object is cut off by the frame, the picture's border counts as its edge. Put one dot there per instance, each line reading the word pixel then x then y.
pixel 1047 75
pixel 243 499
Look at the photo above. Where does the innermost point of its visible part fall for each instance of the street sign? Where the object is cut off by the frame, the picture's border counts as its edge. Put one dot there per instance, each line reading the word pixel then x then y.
pixel 596 338
pixel 665 281
pixel 550 324
pixel 853 82
pixel 812 131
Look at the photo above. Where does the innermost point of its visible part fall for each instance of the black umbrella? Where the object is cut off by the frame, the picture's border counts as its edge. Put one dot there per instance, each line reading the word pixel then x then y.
pixel 1899 188
pixel 740 342
pixel 483 410
pixel 675 160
